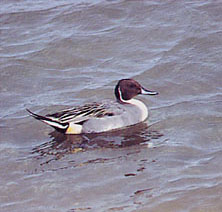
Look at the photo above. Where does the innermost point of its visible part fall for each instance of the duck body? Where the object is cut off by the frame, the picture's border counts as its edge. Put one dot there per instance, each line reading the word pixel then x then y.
pixel 104 116
pixel 118 116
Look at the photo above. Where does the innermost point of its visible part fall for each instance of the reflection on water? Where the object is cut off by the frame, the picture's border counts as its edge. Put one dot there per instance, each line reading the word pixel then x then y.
pixel 62 144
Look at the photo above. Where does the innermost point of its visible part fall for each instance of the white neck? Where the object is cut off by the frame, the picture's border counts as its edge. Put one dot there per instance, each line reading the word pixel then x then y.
pixel 140 105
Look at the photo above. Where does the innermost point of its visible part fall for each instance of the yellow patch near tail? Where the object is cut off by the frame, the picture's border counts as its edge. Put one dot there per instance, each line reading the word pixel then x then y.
pixel 74 129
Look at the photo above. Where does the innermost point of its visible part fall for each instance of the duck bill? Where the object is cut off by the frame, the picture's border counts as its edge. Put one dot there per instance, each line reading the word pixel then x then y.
pixel 147 92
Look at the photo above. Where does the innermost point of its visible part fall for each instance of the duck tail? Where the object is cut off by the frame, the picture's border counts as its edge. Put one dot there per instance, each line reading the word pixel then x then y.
pixel 53 123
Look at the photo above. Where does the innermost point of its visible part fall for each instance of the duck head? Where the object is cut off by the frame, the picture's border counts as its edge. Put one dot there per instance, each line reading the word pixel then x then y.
pixel 126 89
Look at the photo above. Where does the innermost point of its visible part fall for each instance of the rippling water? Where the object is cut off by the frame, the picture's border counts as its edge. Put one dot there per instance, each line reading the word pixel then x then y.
pixel 59 53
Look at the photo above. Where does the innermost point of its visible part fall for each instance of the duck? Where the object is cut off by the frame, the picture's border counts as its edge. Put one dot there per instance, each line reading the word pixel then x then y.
pixel 107 115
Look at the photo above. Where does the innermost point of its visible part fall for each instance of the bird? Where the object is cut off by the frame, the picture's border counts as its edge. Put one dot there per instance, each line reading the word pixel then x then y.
pixel 107 115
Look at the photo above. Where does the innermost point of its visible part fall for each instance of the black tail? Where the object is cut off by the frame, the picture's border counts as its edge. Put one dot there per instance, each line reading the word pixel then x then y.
pixel 55 124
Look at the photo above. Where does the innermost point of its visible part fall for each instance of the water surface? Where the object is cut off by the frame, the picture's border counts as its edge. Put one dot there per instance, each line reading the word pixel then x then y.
pixel 60 53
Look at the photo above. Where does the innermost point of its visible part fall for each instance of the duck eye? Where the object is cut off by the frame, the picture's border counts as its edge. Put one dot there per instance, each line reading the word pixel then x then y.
pixel 132 86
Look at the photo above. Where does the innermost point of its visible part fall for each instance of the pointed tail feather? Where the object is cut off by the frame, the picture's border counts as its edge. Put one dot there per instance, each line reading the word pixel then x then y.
pixel 57 125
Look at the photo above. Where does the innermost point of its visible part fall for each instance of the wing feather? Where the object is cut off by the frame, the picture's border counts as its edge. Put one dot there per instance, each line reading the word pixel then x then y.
pixel 80 114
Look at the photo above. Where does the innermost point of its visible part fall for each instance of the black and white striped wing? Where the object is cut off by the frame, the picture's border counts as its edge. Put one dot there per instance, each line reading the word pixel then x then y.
pixel 80 114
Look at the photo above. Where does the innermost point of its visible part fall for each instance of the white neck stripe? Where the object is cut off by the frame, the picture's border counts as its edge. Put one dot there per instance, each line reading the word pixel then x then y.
pixel 120 96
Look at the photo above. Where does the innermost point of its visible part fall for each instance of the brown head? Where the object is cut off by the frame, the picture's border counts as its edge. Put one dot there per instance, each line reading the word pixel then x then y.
pixel 126 89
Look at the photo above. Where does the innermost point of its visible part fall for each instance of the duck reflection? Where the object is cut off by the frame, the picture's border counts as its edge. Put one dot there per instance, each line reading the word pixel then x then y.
pixel 62 144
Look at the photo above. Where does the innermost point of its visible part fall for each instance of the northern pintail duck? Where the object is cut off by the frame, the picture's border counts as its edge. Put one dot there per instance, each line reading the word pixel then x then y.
pixel 103 116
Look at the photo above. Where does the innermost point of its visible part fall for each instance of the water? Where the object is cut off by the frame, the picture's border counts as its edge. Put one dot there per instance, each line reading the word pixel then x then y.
pixel 60 53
